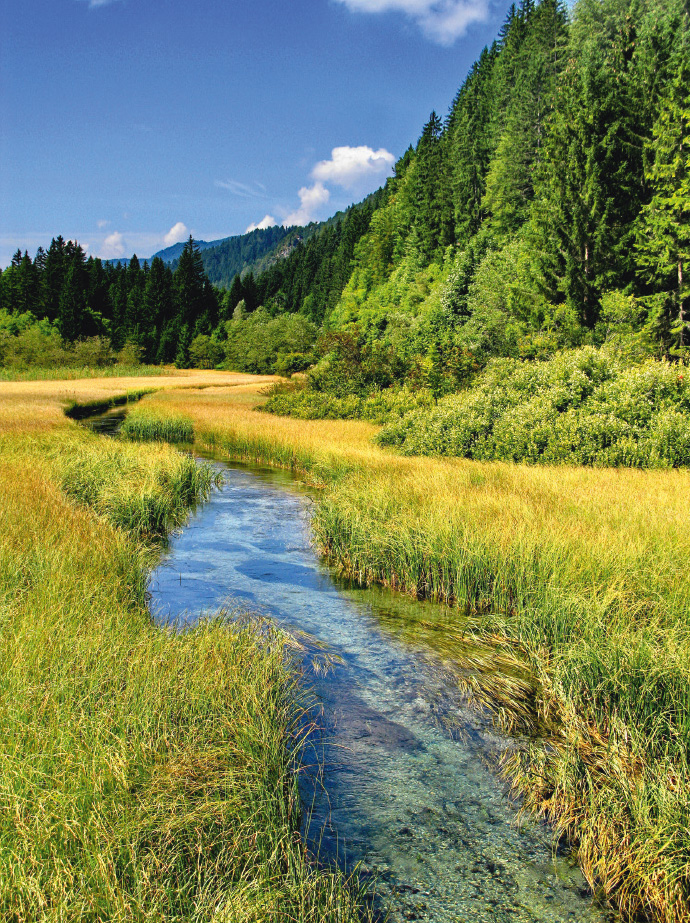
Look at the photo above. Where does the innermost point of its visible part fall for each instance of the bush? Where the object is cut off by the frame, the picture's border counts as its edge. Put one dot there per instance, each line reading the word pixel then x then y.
pixel 258 342
pixel 583 407
pixel 377 407
pixel 205 352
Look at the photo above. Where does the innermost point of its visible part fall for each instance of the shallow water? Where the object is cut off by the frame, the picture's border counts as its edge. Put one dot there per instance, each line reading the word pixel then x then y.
pixel 409 790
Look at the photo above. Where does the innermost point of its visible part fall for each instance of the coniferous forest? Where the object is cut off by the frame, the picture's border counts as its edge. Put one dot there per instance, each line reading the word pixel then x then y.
pixel 548 211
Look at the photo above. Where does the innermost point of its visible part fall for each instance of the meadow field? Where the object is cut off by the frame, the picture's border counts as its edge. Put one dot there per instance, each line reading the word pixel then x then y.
pixel 573 580
pixel 145 774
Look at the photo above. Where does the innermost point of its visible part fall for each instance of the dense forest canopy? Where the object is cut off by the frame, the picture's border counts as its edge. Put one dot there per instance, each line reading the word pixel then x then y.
pixel 549 209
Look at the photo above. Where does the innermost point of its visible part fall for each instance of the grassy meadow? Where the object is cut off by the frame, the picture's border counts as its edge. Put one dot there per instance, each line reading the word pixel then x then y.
pixel 577 577
pixel 145 774
pixel 572 590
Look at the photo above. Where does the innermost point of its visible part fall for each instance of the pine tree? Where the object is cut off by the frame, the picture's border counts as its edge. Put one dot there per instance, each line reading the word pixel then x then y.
pixel 591 182
pixel 53 278
pixel 188 281
pixel 430 191
pixel 472 144
pixel 663 244
pixel 536 55
pixel 157 307
pixel 72 304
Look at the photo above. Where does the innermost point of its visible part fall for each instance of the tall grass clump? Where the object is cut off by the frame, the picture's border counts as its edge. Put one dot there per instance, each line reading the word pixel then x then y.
pixel 145 774
pixel 148 426
pixel 146 493
pixel 582 407
pixel 582 582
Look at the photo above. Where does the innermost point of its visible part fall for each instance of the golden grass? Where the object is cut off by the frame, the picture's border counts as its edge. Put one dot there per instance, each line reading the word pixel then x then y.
pixel 144 774
pixel 33 406
pixel 577 579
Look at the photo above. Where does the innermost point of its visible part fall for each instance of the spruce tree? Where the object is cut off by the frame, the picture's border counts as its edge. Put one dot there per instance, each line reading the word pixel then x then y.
pixel 188 282
pixel 663 244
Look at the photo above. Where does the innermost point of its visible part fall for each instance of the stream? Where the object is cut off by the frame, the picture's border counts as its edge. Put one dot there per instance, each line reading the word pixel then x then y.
pixel 408 791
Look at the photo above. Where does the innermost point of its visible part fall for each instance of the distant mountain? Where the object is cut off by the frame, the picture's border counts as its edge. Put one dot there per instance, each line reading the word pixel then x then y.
pixel 224 259
pixel 254 252
pixel 172 254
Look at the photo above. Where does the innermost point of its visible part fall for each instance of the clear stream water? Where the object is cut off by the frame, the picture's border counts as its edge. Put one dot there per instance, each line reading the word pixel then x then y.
pixel 408 789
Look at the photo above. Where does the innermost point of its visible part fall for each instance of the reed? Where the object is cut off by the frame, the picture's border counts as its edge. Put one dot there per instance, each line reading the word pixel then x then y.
pixel 153 427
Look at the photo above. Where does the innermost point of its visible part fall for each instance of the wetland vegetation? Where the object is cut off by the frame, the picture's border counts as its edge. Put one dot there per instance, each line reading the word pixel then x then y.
pixel 146 774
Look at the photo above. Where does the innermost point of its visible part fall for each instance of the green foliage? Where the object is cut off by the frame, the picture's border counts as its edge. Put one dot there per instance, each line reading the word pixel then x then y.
pixel 378 406
pixel 664 225
pixel 583 407
pixel 205 352
pixel 260 343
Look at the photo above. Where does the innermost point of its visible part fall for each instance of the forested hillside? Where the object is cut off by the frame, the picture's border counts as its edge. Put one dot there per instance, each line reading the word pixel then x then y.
pixel 549 210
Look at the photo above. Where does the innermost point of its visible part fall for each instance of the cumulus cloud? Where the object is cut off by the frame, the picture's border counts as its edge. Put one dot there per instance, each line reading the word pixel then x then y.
pixel 113 246
pixel 312 198
pixel 350 167
pixel 268 221
pixel 103 224
pixel 443 21
pixel 177 233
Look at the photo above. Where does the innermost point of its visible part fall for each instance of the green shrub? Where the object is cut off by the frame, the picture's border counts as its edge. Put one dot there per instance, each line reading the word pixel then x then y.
pixel 380 406
pixel 582 407
pixel 256 342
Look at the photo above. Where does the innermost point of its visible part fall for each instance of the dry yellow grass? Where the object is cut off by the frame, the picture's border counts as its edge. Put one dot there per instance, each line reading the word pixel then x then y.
pixel 32 406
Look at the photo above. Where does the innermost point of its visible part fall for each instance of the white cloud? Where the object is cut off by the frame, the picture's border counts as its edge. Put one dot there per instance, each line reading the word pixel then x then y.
pixel 96 3
pixel 256 191
pixel 443 21
pixel 312 198
pixel 113 246
pixel 177 233
pixel 349 167
pixel 103 224
pixel 268 221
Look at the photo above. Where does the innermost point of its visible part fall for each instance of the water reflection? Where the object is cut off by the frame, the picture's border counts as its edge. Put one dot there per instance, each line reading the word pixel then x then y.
pixel 408 790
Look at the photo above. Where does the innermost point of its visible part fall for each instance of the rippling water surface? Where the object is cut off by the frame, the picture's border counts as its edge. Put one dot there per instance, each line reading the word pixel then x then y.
pixel 408 790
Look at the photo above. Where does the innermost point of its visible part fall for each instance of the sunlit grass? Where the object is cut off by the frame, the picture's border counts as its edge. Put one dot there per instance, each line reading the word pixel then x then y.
pixel 573 598
pixel 145 774
pixel 144 426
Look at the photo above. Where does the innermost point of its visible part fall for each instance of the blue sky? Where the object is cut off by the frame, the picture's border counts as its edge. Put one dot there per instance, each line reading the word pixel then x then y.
pixel 128 124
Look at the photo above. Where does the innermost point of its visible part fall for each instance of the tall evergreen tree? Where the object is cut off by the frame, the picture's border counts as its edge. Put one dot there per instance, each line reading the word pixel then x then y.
pixel 188 282
pixel 430 191
pixel 53 277
pixel 663 244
